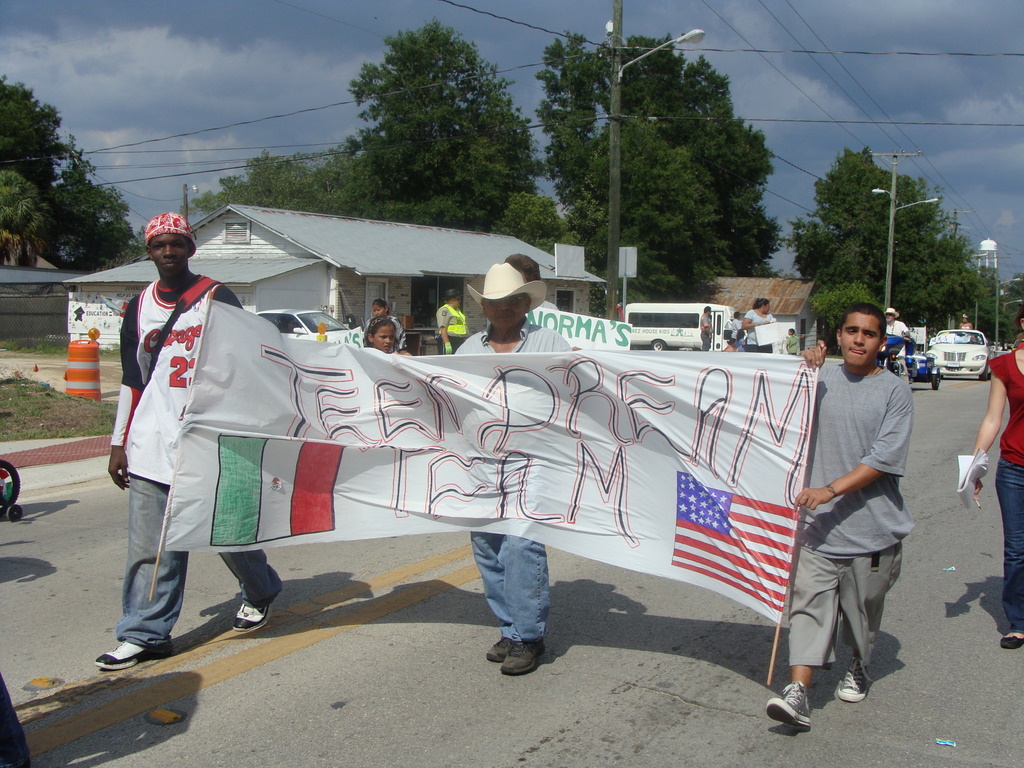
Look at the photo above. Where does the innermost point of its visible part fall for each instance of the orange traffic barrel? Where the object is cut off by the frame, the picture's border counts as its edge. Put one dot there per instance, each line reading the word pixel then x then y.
pixel 83 373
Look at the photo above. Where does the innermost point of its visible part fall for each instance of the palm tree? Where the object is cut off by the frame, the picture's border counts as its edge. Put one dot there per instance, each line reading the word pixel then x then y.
pixel 24 219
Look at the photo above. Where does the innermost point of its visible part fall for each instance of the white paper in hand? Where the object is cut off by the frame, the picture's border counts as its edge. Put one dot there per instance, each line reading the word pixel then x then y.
pixel 971 468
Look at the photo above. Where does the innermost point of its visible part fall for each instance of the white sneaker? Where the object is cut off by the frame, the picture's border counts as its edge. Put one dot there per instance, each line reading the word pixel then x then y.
pixel 854 686
pixel 129 654
pixel 249 617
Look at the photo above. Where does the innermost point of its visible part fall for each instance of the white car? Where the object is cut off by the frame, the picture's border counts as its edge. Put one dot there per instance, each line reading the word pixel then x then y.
pixel 958 352
pixel 302 324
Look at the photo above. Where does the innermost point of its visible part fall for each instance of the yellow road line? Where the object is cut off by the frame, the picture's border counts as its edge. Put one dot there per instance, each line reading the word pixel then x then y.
pixel 189 682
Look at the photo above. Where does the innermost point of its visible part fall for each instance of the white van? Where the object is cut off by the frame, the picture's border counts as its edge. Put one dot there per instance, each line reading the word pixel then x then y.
pixel 676 326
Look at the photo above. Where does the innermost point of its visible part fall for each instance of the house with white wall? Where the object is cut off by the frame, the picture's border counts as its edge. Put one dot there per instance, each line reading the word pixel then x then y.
pixel 275 259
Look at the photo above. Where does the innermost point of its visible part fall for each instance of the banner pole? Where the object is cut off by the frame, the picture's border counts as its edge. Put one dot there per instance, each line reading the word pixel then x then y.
pixel 775 648
pixel 789 594
pixel 160 551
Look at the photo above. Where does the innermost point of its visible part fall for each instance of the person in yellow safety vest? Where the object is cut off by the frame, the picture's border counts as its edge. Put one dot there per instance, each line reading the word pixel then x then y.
pixel 451 323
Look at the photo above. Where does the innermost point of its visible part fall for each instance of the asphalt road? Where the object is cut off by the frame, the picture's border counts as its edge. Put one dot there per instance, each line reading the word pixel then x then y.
pixel 376 657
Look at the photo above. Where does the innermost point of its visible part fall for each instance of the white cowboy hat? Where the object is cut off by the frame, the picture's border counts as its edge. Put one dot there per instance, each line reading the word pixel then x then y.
pixel 891 311
pixel 504 280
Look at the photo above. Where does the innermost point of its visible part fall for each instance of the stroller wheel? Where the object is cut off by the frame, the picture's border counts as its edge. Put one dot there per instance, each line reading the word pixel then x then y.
pixel 10 484
pixel 14 513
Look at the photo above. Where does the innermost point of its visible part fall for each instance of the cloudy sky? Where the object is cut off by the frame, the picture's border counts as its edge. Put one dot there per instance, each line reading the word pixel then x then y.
pixel 136 72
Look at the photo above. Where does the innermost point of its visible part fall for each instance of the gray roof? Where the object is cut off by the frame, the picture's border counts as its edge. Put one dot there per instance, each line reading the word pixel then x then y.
pixel 230 271
pixel 390 248
pixel 12 275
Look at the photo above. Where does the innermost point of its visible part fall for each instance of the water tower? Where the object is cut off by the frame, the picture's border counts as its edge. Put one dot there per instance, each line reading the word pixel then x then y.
pixel 988 252
pixel 988 256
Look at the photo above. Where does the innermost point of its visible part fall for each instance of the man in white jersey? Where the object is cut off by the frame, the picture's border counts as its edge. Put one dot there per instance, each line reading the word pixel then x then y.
pixel 159 341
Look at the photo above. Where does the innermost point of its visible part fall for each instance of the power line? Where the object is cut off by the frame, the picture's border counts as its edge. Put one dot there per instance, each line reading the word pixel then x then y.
pixel 827 51
pixel 783 74
pixel 511 21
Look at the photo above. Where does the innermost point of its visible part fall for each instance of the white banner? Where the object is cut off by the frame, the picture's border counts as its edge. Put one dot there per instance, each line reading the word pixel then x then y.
pixel 583 331
pixel 680 465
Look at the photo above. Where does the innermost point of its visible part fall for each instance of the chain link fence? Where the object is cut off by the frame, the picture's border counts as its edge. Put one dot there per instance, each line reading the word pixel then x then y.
pixel 34 314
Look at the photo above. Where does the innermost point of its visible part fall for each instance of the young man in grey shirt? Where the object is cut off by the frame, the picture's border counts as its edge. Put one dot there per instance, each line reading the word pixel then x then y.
pixel 856 518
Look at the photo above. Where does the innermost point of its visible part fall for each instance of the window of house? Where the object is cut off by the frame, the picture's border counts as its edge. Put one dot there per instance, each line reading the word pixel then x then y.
pixel 564 300
pixel 426 296
pixel 236 232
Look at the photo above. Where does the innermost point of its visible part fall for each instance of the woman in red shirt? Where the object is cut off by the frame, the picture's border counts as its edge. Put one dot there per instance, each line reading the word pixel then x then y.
pixel 1008 387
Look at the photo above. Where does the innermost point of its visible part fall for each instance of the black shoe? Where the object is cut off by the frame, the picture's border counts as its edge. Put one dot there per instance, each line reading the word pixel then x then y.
pixel 129 654
pixel 249 618
pixel 499 650
pixel 522 658
pixel 1011 642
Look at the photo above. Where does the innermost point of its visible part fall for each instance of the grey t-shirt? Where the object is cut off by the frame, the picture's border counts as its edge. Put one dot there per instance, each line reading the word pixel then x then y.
pixel 860 420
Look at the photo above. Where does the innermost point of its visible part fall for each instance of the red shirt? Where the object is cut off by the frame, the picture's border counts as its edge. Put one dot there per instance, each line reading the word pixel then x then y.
pixel 1011 444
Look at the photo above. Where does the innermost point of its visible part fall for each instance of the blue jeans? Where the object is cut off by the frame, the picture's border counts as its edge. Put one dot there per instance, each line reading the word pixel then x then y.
pixel 13 749
pixel 515 575
pixel 1010 489
pixel 149 622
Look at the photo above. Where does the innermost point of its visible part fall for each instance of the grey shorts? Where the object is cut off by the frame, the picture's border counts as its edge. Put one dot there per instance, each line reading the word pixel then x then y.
pixel 827 590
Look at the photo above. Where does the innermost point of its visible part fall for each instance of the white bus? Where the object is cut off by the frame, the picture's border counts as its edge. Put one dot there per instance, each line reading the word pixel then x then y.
pixel 676 326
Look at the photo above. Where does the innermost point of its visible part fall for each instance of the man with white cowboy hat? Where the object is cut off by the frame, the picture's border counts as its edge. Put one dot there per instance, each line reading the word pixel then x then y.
pixel 894 327
pixel 514 570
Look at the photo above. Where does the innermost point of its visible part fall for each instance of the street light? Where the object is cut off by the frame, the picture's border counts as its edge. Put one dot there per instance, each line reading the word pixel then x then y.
pixel 693 36
pixel 615 145
pixel 892 230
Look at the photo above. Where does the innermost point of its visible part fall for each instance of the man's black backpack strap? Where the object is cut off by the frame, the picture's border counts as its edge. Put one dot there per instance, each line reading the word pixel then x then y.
pixel 200 288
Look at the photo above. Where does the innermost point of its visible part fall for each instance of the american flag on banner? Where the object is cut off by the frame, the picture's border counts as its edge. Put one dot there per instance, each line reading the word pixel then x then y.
pixel 744 544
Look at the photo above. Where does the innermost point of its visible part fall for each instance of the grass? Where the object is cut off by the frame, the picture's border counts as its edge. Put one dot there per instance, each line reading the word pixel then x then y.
pixel 30 411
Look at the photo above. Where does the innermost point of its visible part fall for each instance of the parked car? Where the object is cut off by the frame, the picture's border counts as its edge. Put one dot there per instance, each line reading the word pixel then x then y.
pixel 959 352
pixel 302 324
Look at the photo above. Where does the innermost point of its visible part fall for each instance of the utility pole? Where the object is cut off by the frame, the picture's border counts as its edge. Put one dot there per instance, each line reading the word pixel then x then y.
pixel 956 224
pixel 892 218
pixel 614 161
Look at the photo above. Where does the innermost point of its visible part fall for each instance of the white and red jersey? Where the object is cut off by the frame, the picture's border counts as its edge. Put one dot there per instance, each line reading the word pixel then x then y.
pixel 149 415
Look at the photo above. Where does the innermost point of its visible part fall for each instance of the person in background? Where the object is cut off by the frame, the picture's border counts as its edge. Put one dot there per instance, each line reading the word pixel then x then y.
pixel 451 323
pixel 792 343
pixel 13 747
pixel 738 334
pixel 530 270
pixel 380 335
pixel 896 327
pixel 380 308
pixel 759 314
pixel 156 376
pixel 1007 387
pixel 855 518
pixel 514 570
pixel 705 330
pixel 965 323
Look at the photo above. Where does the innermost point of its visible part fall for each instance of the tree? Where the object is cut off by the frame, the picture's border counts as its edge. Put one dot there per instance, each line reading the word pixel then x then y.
pixel 24 221
pixel 316 183
pixel 91 228
pixel 692 173
pixel 87 224
pixel 534 219
pixel 845 241
pixel 446 145
pixel 29 142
